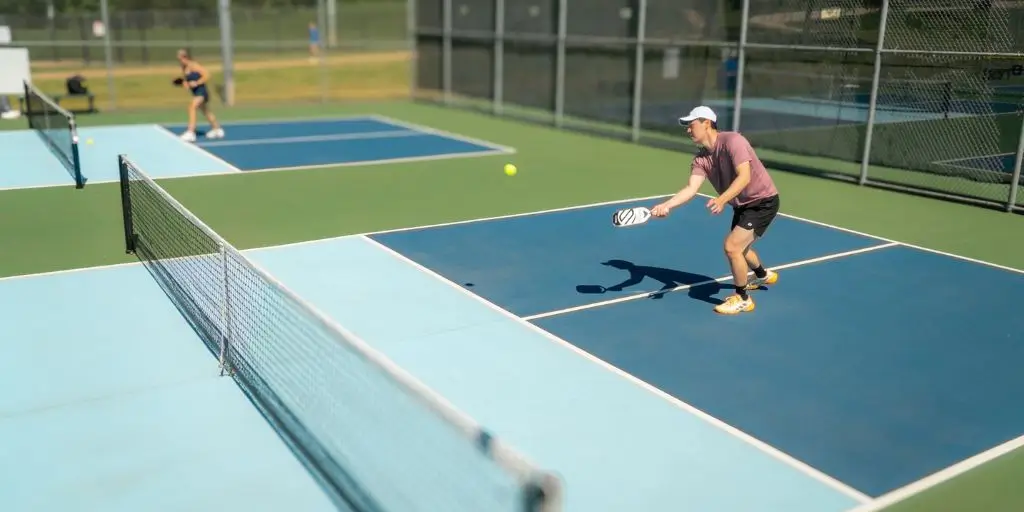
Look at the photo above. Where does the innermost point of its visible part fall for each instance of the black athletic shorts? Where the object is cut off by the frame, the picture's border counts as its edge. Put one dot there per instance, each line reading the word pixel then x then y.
pixel 756 216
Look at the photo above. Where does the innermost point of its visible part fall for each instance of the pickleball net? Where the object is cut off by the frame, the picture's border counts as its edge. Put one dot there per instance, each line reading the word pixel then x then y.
pixel 377 439
pixel 56 127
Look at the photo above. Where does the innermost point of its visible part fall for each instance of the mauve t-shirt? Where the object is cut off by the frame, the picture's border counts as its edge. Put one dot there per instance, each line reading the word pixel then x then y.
pixel 718 165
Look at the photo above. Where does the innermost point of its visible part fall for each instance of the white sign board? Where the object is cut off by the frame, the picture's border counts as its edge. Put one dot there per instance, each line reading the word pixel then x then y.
pixel 14 69
pixel 5 34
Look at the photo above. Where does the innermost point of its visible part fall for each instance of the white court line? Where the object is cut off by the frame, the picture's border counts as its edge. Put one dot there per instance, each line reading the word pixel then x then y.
pixel 703 283
pixel 942 476
pixel 760 445
pixel 312 138
pixel 978 157
pixel 193 147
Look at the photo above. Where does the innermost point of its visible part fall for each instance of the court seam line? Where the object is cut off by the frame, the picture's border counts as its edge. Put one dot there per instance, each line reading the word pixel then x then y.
pixel 940 477
pixel 408 159
pixel 197 149
pixel 682 287
pixel 310 138
pixel 765 448
pixel 510 216
pixel 278 121
pixel 444 133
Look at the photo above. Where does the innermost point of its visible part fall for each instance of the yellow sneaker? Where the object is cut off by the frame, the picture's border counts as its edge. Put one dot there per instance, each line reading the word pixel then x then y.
pixel 756 282
pixel 735 305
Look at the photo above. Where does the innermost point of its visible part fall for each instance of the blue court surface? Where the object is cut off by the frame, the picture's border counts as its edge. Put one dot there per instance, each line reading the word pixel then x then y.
pixel 247 147
pixel 591 349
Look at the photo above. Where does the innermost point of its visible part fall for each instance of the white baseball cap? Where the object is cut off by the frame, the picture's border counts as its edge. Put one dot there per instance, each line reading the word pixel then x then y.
pixel 700 112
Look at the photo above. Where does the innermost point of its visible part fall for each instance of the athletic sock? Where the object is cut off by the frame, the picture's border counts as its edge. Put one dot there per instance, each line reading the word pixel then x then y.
pixel 760 272
pixel 742 292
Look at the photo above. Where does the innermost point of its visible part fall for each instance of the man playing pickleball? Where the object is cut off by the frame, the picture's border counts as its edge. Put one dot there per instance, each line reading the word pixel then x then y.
pixel 727 160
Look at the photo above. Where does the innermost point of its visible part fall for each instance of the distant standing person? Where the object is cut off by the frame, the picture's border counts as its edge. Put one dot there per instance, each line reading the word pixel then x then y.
pixel 314 40
pixel 195 78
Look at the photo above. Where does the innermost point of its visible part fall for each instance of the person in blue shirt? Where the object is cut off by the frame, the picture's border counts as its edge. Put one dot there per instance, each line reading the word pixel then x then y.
pixel 314 40
pixel 195 78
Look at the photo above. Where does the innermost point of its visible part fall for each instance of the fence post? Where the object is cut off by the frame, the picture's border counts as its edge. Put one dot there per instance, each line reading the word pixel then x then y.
pixel 108 53
pixel 563 17
pixel 873 102
pixel 446 52
pixel 499 54
pixel 412 36
pixel 226 40
pixel 1015 182
pixel 638 74
pixel 322 51
pixel 741 66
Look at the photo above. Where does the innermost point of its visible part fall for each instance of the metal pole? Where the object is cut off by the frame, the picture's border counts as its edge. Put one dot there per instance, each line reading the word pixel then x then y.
pixel 226 51
pixel 413 39
pixel 741 66
pixel 321 22
pixel 108 53
pixel 446 52
pixel 873 103
pixel 1015 183
pixel 499 55
pixel 638 73
pixel 563 14
pixel 332 18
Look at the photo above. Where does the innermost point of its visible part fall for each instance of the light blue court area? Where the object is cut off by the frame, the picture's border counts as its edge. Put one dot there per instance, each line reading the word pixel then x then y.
pixel 29 162
pixel 247 146
pixel 310 143
pixel 111 402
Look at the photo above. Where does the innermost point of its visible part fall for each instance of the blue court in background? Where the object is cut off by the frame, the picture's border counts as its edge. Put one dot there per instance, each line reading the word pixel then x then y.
pixel 248 147
pixel 307 143
pixel 591 349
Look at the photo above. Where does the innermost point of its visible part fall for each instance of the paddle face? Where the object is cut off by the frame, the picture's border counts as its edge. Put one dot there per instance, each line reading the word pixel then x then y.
pixel 631 216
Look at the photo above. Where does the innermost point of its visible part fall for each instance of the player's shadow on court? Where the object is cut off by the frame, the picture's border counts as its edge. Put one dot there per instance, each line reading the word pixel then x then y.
pixel 705 290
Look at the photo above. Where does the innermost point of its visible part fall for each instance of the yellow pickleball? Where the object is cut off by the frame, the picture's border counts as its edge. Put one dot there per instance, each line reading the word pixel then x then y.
pixel 510 169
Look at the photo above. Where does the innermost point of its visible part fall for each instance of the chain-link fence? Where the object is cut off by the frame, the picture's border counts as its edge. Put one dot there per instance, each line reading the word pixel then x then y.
pixel 310 50
pixel 919 95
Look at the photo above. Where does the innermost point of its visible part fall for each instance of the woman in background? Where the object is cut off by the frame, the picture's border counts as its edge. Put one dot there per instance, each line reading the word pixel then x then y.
pixel 195 78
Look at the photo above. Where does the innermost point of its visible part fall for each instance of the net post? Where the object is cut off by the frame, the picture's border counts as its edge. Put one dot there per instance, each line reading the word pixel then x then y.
pixel 76 160
pixel 499 56
pixel 873 102
pixel 27 104
pixel 126 205
pixel 1017 163
pixel 638 71
pixel 741 66
pixel 225 314
pixel 563 14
